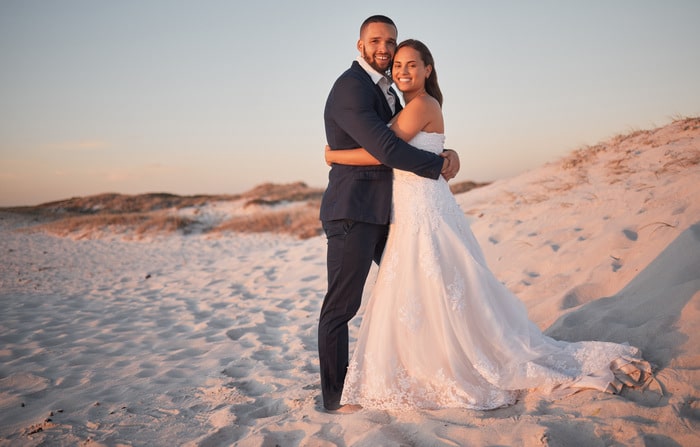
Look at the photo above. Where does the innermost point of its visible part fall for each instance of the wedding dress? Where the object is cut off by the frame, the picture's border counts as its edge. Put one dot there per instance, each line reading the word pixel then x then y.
pixel 441 331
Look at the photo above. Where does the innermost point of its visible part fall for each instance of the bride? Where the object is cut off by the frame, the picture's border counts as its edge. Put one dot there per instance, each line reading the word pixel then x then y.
pixel 440 330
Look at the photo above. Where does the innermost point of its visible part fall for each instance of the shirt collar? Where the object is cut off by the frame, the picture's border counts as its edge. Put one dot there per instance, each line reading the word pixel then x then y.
pixel 374 74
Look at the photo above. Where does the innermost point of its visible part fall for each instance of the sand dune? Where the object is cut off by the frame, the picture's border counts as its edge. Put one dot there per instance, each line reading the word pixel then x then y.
pixel 187 336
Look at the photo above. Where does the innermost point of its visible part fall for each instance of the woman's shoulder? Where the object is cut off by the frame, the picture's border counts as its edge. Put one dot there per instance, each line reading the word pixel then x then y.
pixel 426 106
pixel 426 112
pixel 424 102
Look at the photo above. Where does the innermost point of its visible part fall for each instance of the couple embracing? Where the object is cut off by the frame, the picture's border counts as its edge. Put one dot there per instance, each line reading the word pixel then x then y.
pixel 439 330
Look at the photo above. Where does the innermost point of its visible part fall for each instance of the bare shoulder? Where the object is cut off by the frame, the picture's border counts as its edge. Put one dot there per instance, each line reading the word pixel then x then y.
pixel 423 101
pixel 425 105
pixel 429 109
pixel 421 113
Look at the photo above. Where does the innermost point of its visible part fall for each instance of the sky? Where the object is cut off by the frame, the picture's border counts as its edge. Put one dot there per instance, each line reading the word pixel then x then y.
pixel 216 97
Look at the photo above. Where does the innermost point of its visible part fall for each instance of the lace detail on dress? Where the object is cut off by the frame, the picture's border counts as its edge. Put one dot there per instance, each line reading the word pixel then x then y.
pixel 405 391
pixel 410 313
pixel 419 203
pixel 455 291
pixel 427 254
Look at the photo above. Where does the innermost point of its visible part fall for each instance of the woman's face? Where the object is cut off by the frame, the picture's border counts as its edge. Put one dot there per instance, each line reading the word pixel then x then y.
pixel 409 71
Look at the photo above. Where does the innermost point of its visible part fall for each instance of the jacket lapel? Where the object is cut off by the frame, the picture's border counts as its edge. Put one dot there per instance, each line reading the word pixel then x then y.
pixel 397 104
pixel 386 110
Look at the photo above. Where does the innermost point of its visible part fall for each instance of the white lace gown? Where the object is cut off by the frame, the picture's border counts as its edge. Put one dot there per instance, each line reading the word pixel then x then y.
pixel 441 331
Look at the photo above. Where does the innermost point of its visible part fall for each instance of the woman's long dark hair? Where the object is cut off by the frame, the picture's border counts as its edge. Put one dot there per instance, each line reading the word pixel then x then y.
pixel 431 83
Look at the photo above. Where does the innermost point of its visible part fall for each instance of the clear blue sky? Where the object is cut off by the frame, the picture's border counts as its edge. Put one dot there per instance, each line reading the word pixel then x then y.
pixel 213 97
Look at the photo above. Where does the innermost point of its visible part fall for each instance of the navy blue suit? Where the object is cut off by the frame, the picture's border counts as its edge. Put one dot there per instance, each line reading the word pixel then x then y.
pixel 355 210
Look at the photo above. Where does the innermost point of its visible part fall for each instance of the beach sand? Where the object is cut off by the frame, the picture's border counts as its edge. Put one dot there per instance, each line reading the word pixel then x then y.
pixel 209 339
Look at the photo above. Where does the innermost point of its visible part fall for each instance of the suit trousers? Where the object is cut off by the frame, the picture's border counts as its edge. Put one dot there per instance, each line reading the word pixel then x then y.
pixel 352 247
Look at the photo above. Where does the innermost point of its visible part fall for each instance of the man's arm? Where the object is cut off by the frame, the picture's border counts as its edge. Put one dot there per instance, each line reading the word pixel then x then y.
pixel 352 107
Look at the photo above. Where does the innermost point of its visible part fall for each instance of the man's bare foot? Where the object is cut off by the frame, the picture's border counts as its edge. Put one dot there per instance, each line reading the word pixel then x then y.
pixel 346 409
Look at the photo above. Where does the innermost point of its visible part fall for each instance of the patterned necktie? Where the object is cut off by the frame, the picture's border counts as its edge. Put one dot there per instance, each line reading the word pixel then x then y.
pixel 391 99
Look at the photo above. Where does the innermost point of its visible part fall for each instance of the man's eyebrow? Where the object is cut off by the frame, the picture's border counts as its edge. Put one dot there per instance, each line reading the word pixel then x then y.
pixel 373 38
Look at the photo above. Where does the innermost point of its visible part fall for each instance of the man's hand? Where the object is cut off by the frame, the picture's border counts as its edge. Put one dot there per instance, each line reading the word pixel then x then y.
pixel 450 167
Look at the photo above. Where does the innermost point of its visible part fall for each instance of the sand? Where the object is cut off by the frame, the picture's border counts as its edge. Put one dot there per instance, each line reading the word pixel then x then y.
pixel 210 339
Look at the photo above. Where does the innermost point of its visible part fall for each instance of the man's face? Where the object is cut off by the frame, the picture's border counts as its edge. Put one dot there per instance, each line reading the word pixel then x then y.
pixel 377 45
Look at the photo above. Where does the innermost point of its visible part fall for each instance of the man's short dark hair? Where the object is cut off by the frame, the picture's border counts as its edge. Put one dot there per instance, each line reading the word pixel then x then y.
pixel 376 19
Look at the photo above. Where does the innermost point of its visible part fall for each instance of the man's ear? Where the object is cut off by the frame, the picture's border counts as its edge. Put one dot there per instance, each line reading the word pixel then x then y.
pixel 359 45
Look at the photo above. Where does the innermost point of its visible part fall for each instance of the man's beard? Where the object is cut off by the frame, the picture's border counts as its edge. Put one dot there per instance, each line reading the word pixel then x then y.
pixel 372 62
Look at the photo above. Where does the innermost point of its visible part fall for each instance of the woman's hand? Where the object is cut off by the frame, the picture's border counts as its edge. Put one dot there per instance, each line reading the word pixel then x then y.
pixel 327 154
pixel 351 157
pixel 451 166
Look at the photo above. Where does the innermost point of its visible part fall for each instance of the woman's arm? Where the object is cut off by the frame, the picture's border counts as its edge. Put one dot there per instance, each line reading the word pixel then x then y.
pixel 417 115
pixel 352 157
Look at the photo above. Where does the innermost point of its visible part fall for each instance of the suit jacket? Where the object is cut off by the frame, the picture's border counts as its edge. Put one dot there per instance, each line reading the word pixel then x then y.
pixel 356 115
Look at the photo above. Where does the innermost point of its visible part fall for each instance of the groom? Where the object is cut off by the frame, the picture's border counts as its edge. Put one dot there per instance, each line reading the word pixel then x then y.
pixel 357 202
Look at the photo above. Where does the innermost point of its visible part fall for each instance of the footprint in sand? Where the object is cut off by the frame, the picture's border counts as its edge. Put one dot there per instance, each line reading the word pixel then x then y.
pixel 274 318
pixel 581 294
pixel 262 408
pixel 253 388
pixel 580 238
pixel 237 333
pixel 679 210
pixel 530 275
pixel 690 409
pixel 287 304
pixel 630 234
pixel 312 368
pixel 271 274
pixel 240 290
pixel 310 278
pixel 616 264
pixel 239 369
pixel 279 253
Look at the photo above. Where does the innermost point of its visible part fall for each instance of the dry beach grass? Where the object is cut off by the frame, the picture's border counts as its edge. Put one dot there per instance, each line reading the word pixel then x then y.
pixel 276 208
